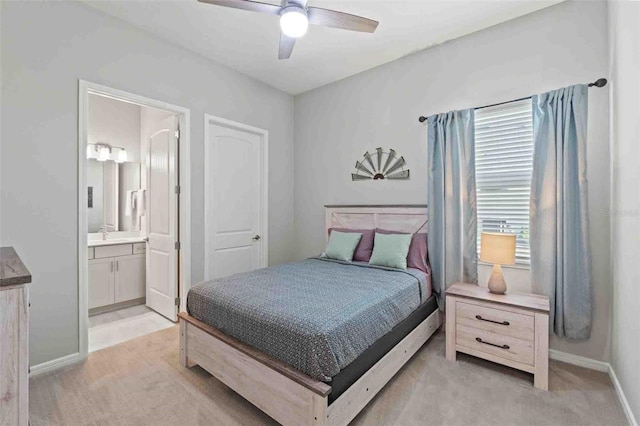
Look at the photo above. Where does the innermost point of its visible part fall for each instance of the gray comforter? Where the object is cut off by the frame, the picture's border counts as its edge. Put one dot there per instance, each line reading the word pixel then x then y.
pixel 317 315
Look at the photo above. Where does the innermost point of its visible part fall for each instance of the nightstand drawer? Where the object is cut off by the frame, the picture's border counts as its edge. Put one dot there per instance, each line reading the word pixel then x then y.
pixel 506 323
pixel 495 344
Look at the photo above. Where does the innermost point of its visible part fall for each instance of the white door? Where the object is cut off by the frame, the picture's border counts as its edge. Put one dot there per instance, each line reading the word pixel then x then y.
pixel 162 220
pixel 235 194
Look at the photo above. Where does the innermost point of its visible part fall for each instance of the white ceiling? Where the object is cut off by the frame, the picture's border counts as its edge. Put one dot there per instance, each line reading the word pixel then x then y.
pixel 248 41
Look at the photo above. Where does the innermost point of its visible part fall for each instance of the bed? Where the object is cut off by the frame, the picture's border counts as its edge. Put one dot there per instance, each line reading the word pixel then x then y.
pixel 312 342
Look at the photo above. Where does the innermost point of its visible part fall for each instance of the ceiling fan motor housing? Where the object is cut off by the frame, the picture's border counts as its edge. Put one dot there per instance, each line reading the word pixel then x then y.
pixel 300 3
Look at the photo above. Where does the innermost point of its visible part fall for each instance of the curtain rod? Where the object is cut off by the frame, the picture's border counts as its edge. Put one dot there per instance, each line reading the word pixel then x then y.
pixel 601 82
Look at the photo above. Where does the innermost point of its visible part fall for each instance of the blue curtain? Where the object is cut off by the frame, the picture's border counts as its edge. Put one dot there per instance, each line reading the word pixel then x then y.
pixel 559 225
pixel 451 194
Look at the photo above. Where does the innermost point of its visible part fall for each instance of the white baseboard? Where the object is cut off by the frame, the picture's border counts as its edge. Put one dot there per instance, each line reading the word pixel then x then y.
pixel 623 399
pixel 580 361
pixel 55 364
pixel 605 367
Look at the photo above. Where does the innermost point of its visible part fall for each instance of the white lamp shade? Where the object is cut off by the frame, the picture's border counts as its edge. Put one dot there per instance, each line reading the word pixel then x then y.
pixel 498 248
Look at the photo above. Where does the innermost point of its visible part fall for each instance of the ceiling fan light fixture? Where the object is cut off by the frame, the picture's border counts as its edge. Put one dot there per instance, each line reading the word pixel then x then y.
pixel 294 21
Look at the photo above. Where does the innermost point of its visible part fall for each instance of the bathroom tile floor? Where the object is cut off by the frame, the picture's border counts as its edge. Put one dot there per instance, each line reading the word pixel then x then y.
pixel 115 327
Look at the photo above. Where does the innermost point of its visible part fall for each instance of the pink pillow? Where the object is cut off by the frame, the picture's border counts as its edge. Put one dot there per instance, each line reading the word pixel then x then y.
pixel 364 247
pixel 417 257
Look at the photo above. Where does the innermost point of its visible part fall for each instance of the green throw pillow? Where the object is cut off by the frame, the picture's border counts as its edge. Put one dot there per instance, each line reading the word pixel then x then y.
pixel 391 250
pixel 341 245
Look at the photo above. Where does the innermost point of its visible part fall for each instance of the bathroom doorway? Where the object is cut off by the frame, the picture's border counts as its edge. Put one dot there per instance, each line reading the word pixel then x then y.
pixel 133 215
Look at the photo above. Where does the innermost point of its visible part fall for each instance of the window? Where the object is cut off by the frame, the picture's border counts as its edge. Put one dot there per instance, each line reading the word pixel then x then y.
pixel 504 162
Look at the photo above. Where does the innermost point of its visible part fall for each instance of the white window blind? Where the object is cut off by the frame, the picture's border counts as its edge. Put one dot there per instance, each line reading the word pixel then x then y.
pixel 504 161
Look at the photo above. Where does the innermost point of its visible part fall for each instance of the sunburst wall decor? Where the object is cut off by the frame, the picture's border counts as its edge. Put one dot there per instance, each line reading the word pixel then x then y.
pixel 381 165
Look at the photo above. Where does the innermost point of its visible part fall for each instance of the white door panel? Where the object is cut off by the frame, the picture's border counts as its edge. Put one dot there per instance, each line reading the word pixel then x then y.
pixel 162 222
pixel 234 208
pixel 234 260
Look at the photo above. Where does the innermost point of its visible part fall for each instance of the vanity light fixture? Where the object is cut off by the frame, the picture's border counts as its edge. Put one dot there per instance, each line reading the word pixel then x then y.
pixel 104 152
pixel 122 156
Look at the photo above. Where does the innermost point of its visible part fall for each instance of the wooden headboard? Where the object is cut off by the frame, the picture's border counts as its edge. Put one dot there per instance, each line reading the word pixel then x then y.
pixel 402 218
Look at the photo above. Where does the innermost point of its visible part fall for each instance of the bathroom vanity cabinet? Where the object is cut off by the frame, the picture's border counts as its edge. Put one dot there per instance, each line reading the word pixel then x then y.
pixel 117 274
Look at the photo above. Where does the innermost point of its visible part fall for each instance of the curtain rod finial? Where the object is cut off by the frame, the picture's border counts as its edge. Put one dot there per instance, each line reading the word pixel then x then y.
pixel 422 119
pixel 601 82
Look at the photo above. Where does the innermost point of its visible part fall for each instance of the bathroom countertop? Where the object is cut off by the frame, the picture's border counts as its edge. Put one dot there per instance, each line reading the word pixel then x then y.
pixel 115 241
pixel 12 270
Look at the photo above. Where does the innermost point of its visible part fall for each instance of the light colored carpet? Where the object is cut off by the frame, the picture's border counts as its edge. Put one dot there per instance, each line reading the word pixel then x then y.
pixel 140 382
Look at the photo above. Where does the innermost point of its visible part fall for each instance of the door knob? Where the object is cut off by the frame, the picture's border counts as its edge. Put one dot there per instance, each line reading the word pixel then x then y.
pixel 256 238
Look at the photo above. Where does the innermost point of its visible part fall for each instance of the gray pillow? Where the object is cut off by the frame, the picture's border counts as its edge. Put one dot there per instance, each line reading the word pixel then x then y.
pixel 342 245
pixel 391 250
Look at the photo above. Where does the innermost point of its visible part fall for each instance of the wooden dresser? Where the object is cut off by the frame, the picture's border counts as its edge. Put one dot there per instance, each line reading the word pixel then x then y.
pixel 14 339
pixel 511 329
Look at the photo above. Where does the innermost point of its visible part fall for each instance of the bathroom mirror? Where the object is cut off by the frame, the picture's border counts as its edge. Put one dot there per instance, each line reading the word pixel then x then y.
pixel 114 200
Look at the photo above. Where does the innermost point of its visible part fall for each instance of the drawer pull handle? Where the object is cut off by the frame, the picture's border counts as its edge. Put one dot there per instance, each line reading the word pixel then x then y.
pixel 495 322
pixel 479 340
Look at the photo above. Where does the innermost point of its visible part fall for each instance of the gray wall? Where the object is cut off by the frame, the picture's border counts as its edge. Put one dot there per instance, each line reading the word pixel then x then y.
pixel 115 123
pixel 46 48
pixel 624 27
pixel 336 124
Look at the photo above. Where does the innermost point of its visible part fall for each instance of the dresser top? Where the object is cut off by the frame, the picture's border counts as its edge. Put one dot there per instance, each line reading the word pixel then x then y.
pixel 521 300
pixel 12 270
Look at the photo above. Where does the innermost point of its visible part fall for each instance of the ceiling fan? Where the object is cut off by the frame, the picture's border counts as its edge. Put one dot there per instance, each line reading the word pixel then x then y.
pixel 295 17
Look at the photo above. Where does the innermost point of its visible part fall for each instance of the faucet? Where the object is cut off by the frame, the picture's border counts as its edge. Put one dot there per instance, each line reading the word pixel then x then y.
pixel 105 231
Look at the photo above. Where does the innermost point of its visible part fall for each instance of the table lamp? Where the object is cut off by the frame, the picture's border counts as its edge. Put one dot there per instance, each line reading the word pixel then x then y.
pixel 499 249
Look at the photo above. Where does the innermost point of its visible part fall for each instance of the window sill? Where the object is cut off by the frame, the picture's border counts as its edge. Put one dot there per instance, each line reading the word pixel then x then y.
pixel 516 266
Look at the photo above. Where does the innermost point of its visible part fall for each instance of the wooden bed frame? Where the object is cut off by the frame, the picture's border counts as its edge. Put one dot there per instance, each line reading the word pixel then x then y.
pixel 290 396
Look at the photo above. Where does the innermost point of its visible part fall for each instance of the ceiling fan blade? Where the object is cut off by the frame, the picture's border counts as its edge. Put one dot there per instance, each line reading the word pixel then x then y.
pixel 254 6
pixel 345 21
pixel 286 46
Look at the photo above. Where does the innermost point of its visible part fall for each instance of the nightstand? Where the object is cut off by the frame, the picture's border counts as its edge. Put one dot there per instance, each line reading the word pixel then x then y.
pixel 510 329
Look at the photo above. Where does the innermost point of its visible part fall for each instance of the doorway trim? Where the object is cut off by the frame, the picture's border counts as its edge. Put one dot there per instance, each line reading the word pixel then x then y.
pixel 264 213
pixel 184 116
